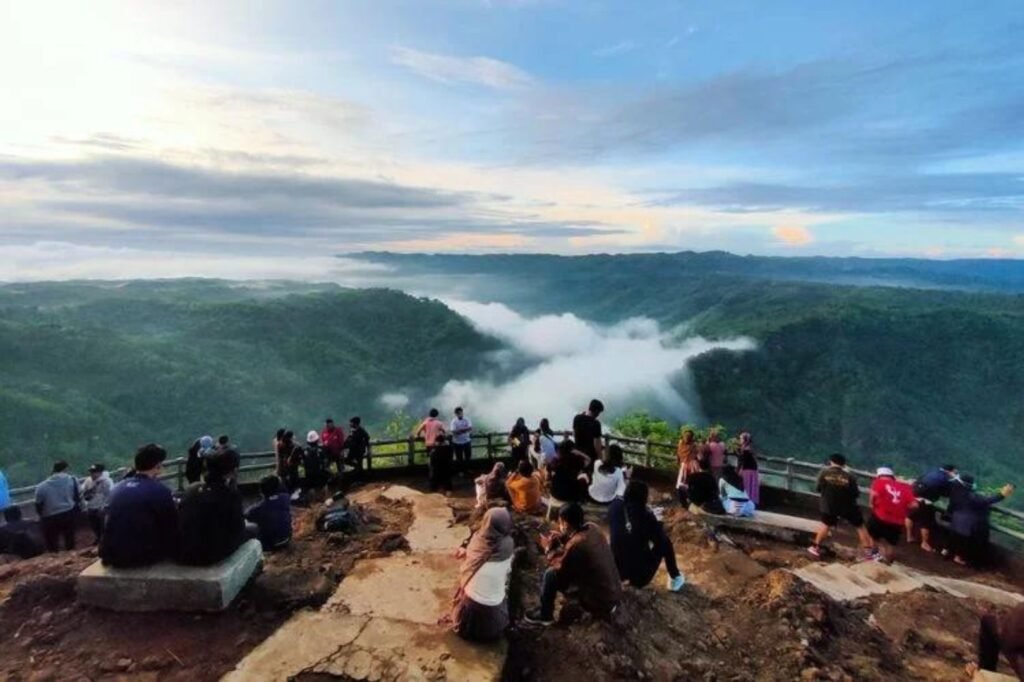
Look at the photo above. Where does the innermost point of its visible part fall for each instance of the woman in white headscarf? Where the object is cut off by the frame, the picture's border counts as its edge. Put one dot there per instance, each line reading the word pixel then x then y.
pixel 480 608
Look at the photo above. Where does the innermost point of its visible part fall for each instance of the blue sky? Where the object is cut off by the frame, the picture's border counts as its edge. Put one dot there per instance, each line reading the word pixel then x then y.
pixel 198 130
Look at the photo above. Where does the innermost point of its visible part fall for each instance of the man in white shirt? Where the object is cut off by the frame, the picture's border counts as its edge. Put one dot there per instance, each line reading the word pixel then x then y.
pixel 462 439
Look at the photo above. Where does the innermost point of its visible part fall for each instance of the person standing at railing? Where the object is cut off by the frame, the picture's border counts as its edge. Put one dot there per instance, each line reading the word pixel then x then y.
pixel 96 491
pixel 746 462
pixel 716 453
pixel 891 502
pixel 687 454
pixel 57 500
pixel 289 462
pixel 519 441
pixel 357 443
pixel 332 440
pixel 928 490
pixel 430 429
pixel 461 429
pixel 839 493
pixel 544 446
pixel 586 431
pixel 970 520
pixel 314 465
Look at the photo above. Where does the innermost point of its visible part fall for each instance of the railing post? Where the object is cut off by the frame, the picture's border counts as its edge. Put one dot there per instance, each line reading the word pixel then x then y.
pixel 490 447
pixel 369 456
pixel 647 452
pixel 789 473
pixel 412 451
pixel 180 474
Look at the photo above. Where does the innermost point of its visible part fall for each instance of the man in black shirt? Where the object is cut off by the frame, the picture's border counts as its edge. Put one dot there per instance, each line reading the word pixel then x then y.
pixel 358 443
pixel 587 431
pixel 212 520
pixel 839 494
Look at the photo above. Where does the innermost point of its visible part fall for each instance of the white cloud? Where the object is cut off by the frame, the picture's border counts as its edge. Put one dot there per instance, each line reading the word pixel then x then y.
pixel 394 401
pixel 622 47
pixel 491 73
pixel 626 365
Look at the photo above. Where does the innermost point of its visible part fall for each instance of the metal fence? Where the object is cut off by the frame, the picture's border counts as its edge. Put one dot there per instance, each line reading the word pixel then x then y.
pixel 779 472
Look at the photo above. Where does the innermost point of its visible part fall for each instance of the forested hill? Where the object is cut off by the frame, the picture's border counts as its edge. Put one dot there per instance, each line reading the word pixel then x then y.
pixel 90 370
pixel 884 374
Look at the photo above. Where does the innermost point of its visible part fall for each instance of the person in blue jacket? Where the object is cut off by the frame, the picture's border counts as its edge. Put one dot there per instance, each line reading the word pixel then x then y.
pixel 142 519
pixel 970 514
pixel 272 515
pixel 928 489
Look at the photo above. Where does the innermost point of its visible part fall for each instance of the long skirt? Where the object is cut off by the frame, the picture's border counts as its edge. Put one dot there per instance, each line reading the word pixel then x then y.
pixel 479 623
pixel 752 485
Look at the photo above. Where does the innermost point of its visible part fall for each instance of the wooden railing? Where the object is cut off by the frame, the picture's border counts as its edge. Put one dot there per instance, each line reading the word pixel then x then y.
pixel 779 472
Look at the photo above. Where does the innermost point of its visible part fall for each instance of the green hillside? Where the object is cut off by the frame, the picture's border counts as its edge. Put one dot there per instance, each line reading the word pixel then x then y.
pixel 91 370
pixel 911 376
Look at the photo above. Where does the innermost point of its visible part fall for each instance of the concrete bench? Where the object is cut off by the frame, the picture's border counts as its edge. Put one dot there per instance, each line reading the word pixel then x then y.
pixel 792 529
pixel 170 587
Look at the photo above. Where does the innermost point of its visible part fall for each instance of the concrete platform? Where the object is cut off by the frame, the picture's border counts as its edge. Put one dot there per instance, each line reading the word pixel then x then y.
pixel 363 648
pixel 989 676
pixel 433 528
pixel 417 588
pixel 170 587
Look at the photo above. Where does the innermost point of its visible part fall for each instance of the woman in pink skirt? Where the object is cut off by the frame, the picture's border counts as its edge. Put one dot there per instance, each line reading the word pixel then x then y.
pixel 748 469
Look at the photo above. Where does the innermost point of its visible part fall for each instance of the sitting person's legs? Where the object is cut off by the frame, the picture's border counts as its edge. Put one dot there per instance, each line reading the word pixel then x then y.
pixel 548 593
pixel 988 643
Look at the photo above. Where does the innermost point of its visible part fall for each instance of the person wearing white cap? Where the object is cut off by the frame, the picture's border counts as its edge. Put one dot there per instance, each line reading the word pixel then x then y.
pixel 891 500
pixel 315 479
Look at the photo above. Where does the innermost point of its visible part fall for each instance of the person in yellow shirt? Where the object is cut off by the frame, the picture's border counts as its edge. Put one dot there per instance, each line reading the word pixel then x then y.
pixel 524 489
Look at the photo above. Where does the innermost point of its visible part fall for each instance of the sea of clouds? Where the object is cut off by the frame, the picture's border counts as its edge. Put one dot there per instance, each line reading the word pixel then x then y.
pixel 570 360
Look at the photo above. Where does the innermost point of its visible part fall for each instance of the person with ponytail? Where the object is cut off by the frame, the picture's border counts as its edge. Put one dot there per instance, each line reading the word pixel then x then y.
pixel 638 539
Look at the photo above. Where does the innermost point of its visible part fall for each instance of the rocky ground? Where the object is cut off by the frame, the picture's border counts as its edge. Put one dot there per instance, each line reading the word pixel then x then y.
pixel 742 616
pixel 46 635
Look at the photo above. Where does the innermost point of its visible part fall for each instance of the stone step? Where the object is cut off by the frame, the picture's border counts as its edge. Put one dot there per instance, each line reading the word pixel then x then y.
pixel 170 587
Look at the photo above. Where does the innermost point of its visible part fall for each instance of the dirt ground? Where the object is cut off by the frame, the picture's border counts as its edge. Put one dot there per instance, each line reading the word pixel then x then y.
pixel 46 635
pixel 742 616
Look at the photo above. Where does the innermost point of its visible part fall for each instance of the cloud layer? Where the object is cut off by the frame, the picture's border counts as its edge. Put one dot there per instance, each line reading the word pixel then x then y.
pixel 631 364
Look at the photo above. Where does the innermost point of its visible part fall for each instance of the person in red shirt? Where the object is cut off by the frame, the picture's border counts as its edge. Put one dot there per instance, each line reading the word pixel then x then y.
pixel 332 440
pixel 891 500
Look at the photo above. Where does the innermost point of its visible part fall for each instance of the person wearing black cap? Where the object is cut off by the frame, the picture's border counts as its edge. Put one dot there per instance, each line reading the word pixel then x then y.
pixel 96 491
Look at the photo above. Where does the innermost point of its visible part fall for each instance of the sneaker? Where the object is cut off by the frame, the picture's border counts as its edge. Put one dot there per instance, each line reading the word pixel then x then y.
pixel 871 555
pixel 879 559
pixel 535 617
pixel 814 551
pixel 676 584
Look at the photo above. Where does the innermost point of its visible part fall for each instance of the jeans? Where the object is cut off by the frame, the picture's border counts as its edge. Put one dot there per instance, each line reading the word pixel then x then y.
pixel 59 526
pixel 96 518
pixel 662 550
pixel 463 453
pixel 548 592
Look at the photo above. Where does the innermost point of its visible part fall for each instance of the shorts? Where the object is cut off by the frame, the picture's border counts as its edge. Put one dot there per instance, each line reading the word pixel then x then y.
pixel 851 516
pixel 924 516
pixel 882 530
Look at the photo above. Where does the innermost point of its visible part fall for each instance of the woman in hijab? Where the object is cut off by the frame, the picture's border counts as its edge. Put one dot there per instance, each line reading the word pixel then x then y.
pixel 480 608
pixel 492 486
pixel 747 464
pixel 638 539
pixel 688 454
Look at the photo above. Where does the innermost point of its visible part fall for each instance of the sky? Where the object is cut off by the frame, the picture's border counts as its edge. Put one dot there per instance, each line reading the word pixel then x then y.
pixel 222 137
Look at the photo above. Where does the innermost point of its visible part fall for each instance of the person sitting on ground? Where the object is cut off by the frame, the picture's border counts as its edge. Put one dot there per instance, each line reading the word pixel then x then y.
pixel 358 444
pixel 96 492
pixel 57 500
pixel 970 520
pixel 480 608
pixel 440 458
pixel 701 491
pixel 578 556
pixel 928 489
pixel 1001 634
pixel 609 479
pixel 19 537
pixel 638 539
pixel 891 501
pixel 730 490
pixel 565 473
pixel 212 522
pixel 544 446
pixel 314 483
pixel 272 515
pixel 491 487
pixel 839 492
pixel 746 462
pixel 142 519
pixel 524 489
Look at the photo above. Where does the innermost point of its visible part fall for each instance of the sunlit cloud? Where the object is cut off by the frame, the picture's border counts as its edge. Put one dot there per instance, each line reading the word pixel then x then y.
pixel 793 235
